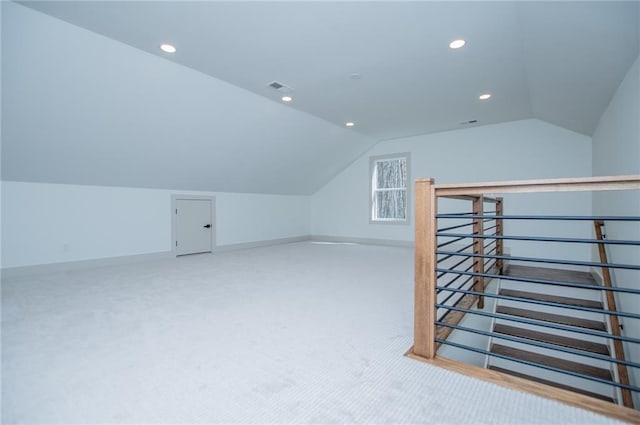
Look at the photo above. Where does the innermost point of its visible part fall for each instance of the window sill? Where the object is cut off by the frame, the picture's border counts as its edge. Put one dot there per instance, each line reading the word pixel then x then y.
pixel 396 222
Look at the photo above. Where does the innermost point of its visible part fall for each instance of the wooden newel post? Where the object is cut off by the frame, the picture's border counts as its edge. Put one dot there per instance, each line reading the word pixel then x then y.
pixel 478 247
pixel 499 232
pixel 425 265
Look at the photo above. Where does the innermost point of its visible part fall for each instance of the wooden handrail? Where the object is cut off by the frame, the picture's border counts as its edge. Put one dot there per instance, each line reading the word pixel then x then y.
pixel 623 373
pixel 546 185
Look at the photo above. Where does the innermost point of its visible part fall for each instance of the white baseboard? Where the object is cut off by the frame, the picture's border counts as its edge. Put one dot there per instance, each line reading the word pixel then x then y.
pixel 363 241
pixel 258 244
pixel 11 272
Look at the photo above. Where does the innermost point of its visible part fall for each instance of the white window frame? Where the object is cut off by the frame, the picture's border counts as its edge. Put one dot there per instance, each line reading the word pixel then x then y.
pixel 372 189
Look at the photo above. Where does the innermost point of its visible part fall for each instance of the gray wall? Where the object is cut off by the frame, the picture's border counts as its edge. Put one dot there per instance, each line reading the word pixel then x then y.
pixel 528 149
pixel 616 151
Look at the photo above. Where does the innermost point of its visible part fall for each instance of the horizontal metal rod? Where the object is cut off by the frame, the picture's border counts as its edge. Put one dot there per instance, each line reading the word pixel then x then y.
pixel 450 242
pixel 490 228
pixel 454 266
pixel 458 277
pixel 546 345
pixel 453 293
pixel 491 243
pixel 494 249
pixel 546 282
pixel 487 268
pixel 547 217
pixel 455 227
pixel 459 250
pixel 452 304
pixel 488 219
pixel 542 260
pixel 547 303
pixel 541 323
pixel 540 365
pixel 541 239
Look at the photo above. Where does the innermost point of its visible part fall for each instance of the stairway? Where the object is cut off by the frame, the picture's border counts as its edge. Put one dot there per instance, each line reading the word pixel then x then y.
pixel 541 316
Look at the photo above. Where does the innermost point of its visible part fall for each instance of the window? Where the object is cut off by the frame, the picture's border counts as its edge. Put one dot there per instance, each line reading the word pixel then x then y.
pixel 389 194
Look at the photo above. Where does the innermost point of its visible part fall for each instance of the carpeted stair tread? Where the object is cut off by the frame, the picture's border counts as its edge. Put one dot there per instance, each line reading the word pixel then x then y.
pixel 555 362
pixel 551 383
pixel 554 318
pixel 578 344
pixel 551 298
pixel 551 274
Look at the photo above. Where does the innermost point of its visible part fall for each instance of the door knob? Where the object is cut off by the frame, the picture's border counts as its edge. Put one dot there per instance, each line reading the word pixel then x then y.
pixel 207 226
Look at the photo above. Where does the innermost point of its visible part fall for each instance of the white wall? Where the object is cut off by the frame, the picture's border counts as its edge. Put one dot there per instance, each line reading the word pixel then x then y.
pixel 616 150
pixel 528 149
pixel 616 141
pixel 51 223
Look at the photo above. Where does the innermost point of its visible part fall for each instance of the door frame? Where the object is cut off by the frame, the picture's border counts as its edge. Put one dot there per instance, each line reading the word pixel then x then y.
pixel 174 204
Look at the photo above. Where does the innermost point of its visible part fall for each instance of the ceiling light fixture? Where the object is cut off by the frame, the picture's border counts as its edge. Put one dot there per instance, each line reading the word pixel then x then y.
pixel 349 124
pixel 287 98
pixel 456 44
pixel 485 96
pixel 168 48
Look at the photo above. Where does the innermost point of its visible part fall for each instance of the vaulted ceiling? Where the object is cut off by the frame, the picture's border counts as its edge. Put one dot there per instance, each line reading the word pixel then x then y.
pixel 556 61
pixel 97 102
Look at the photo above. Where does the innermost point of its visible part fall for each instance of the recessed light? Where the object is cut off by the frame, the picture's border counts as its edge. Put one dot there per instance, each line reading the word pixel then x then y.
pixel 287 98
pixel 485 96
pixel 349 124
pixel 456 44
pixel 168 48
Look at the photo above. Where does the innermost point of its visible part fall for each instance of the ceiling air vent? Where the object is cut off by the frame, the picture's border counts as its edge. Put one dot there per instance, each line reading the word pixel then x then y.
pixel 282 88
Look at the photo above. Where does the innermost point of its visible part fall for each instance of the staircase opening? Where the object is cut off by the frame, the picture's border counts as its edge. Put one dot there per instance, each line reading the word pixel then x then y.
pixel 527 297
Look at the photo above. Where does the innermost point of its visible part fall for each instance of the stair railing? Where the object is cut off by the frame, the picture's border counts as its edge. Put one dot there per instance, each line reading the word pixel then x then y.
pixel 436 267
pixel 623 373
pixel 486 224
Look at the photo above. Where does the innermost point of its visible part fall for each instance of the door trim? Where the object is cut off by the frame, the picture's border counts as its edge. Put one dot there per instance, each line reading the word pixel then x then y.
pixel 174 204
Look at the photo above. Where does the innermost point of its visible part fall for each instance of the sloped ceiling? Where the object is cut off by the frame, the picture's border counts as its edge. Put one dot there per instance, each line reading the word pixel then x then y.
pixel 556 61
pixel 79 108
pixel 104 103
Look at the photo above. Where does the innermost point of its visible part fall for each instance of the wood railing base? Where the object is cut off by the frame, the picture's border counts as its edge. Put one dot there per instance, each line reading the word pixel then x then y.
pixel 563 396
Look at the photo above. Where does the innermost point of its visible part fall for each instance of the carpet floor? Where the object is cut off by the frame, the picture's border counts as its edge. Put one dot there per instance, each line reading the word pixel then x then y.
pixel 290 334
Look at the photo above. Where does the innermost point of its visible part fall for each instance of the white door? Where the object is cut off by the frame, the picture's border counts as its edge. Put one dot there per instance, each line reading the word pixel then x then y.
pixel 194 229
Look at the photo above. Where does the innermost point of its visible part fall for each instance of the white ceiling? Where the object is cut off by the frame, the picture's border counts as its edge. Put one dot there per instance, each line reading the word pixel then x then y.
pixel 557 61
